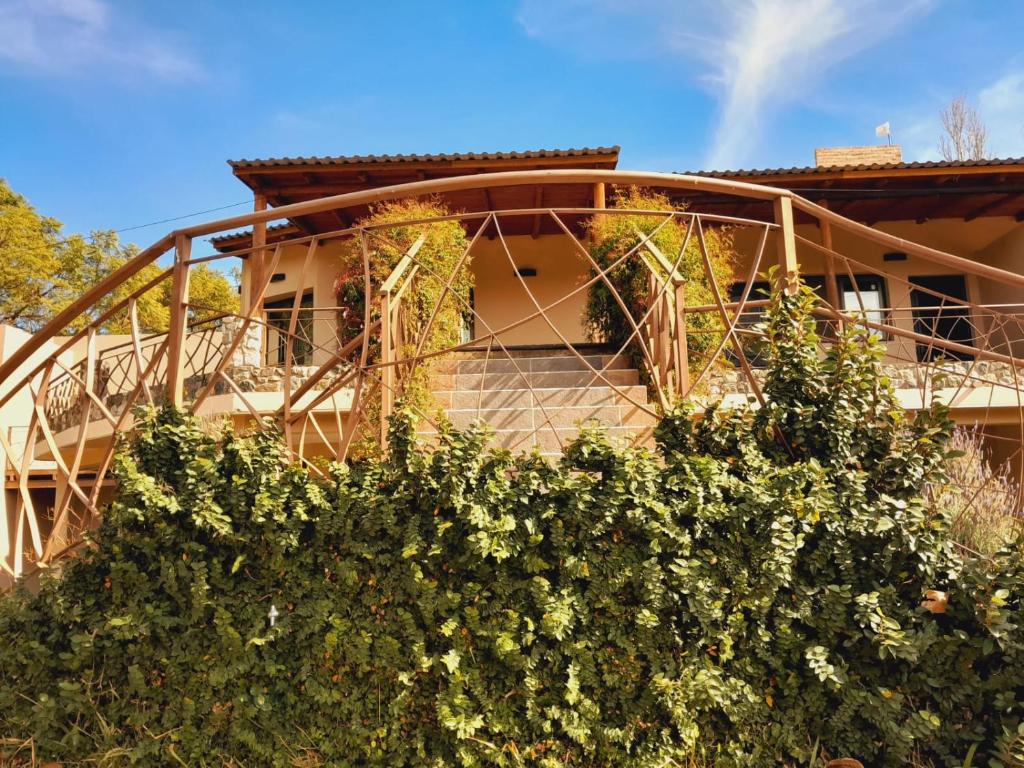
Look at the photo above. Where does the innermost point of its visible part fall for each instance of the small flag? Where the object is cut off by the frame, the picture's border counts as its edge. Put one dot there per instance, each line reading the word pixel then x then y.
pixel 883 129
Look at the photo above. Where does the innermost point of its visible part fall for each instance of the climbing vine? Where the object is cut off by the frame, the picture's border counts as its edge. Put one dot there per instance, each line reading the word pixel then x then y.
pixel 615 236
pixel 443 281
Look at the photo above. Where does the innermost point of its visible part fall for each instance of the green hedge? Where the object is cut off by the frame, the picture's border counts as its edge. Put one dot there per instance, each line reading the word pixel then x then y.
pixel 747 592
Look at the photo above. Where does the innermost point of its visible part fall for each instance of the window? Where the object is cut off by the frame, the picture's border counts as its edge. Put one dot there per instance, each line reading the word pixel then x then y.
pixel 871 289
pixel 867 295
pixel 279 314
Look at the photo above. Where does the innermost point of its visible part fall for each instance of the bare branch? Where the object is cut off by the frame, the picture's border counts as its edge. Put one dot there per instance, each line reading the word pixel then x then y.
pixel 966 137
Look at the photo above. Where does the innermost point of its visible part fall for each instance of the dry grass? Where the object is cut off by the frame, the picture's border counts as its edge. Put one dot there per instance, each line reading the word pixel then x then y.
pixel 983 500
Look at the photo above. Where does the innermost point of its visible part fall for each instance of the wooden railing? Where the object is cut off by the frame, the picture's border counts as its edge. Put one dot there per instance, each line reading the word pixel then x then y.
pixel 393 331
pixel 78 409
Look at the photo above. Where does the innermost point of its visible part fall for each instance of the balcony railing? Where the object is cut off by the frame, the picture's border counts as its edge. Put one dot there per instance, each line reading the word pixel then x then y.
pixel 330 382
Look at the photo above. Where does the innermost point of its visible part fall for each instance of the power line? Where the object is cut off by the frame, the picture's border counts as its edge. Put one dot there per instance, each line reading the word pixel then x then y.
pixel 65 240
pixel 186 216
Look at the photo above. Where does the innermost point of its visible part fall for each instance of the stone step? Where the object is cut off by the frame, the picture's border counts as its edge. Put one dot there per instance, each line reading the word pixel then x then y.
pixel 550 380
pixel 524 398
pixel 558 350
pixel 558 416
pixel 552 364
pixel 551 441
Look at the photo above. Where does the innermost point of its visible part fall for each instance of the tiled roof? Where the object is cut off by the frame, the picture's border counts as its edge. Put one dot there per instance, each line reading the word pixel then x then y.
pixel 441 158
pixel 811 169
pixel 248 232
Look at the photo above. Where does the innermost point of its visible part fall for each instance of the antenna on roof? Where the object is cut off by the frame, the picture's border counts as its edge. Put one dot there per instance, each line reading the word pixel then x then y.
pixel 884 130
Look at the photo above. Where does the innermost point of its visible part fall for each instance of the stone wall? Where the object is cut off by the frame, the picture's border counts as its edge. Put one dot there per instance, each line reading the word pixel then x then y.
pixel 949 373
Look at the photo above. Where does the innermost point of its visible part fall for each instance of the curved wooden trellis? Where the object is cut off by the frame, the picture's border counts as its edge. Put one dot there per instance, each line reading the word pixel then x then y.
pixel 81 397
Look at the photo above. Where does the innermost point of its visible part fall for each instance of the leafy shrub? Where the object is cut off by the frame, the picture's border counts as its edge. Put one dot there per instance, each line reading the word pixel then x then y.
pixel 750 590
pixel 614 236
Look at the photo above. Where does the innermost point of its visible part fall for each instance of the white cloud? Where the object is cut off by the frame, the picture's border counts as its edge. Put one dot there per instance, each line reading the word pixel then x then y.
pixel 756 56
pixel 1001 107
pixel 58 37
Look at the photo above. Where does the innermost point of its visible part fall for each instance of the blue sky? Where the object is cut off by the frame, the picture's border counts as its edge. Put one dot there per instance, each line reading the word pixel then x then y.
pixel 114 114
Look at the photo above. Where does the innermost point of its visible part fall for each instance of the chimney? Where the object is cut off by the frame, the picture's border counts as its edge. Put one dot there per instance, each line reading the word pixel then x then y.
pixel 830 157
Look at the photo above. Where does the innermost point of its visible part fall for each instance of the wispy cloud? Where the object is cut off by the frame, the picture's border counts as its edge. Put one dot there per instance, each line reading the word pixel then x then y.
pixel 1001 107
pixel 756 56
pixel 59 37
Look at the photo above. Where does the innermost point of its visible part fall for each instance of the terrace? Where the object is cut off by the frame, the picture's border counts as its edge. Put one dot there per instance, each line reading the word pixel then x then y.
pixel 524 358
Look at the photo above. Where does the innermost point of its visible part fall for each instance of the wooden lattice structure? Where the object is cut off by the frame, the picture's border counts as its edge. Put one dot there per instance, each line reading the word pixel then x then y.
pixel 79 409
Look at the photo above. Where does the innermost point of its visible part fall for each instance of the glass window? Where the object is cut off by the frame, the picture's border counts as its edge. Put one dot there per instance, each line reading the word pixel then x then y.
pixel 866 295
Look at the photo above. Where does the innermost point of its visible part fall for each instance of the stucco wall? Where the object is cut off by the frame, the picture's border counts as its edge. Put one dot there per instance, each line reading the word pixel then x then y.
pixel 998 241
pixel 502 300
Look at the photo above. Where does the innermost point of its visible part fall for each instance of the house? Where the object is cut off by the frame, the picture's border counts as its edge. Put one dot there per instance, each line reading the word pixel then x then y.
pixel 930 256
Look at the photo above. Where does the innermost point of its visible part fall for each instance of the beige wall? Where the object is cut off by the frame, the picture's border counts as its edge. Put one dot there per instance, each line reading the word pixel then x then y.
pixel 998 241
pixel 501 298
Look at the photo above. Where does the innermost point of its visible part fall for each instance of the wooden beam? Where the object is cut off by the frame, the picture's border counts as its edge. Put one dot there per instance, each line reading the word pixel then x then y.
pixel 992 204
pixel 939 210
pixel 307 190
pixel 538 197
pixel 669 181
pixel 785 243
pixel 343 220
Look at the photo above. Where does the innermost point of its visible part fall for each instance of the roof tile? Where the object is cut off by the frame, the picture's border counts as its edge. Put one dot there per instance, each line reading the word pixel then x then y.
pixel 826 169
pixel 440 158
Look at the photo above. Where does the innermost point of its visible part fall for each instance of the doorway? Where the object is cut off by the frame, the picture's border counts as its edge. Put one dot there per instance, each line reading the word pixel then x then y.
pixel 941 318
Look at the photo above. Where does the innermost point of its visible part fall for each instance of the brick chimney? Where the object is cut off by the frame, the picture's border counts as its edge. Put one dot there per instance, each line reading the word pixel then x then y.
pixel 828 157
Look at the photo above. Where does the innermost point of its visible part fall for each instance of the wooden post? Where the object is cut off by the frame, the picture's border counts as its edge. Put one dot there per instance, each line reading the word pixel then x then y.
pixel 665 339
pixel 789 273
pixel 387 371
pixel 682 352
pixel 831 283
pixel 257 259
pixel 176 333
pixel 600 202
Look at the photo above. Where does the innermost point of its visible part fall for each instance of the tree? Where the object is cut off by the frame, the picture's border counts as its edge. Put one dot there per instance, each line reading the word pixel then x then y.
pixel 31 278
pixel 44 272
pixel 966 136
pixel 86 261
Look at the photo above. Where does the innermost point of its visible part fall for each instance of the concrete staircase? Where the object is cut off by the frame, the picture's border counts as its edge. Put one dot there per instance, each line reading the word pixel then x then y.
pixel 518 397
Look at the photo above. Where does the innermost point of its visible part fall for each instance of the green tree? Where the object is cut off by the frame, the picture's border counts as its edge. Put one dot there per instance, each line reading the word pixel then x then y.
pixel 615 237
pixel 32 278
pixel 45 271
